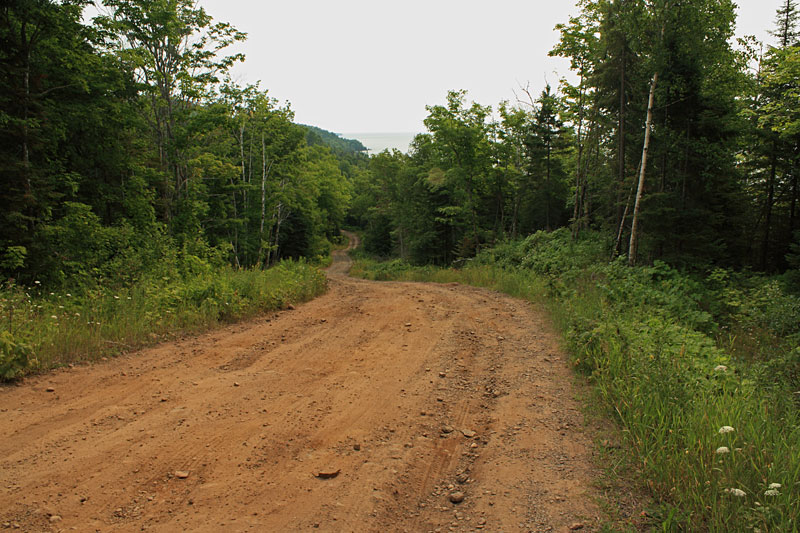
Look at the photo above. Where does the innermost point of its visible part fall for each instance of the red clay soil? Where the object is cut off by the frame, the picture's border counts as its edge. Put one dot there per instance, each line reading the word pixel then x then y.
pixel 370 408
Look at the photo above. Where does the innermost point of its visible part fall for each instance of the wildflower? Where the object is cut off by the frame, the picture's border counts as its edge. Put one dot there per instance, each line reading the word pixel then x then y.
pixel 739 493
pixel 720 368
pixel 116 297
pixel 61 307
pixel 77 314
pixel 774 486
pixel 54 317
pixel 772 492
pixel 723 450
pixel 38 282
pixel 726 429
pixel 52 294
pixel 69 295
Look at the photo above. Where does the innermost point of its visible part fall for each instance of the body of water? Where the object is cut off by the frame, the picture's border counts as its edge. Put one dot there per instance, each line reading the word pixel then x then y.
pixel 378 142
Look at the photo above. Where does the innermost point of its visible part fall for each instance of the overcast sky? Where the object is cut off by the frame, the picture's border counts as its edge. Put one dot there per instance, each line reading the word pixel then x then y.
pixel 372 65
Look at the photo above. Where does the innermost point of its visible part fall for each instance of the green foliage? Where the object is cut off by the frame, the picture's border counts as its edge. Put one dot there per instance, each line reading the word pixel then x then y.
pixel 338 144
pixel 127 153
pixel 15 357
pixel 40 330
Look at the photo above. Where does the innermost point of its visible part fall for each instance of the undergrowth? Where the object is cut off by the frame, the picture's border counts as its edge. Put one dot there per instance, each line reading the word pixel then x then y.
pixel 700 372
pixel 42 329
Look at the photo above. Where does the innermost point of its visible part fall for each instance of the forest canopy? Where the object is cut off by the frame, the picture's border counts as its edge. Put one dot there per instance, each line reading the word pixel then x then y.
pixel 125 143
pixel 677 141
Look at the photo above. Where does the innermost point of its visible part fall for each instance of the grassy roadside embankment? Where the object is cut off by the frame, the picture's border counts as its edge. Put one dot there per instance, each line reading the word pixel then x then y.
pixel 701 375
pixel 41 329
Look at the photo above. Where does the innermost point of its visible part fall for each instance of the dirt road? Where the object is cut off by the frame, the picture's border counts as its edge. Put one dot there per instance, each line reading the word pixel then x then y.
pixel 366 409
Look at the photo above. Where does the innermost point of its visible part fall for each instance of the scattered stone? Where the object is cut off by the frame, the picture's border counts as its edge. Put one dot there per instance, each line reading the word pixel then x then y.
pixel 55 518
pixel 50 389
pixel 442 374
pixel 447 429
pixel 576 526
pixel 357 447
pixel 468 433
pixel 462 478
pixel 456 497
pixel 181 474
pixel 328 474
pixel 481 521
pixel 408 324
pixel 235 383
pixel 290 307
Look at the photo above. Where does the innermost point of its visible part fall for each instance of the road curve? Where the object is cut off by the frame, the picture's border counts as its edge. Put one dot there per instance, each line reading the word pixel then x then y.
pixel 366 409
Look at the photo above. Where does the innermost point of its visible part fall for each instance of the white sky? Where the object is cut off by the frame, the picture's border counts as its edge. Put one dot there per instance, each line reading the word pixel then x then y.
pixel 373 65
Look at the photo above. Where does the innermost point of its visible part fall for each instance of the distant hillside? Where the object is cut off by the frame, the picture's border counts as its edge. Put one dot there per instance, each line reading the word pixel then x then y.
pixel 337 144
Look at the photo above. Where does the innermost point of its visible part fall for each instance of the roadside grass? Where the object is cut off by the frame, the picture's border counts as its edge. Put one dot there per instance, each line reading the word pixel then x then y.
pixel 40 330
pixel 708 418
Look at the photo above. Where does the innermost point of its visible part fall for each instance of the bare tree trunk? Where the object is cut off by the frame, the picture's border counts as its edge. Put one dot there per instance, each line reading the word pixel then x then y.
pixel 642 170
pixel 576 211
pixel 621 128
pixel 793 206
pixel 264 173
pixel 620 231
pixel 26 161
pixel 547 192
pixel 768 207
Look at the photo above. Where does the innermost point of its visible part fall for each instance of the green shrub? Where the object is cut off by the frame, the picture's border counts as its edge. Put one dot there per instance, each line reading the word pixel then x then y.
pixel 43 329
pixel 16 358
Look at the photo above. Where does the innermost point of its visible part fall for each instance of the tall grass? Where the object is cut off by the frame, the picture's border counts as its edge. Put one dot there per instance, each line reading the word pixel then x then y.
pixel 658 347
pixel 41 330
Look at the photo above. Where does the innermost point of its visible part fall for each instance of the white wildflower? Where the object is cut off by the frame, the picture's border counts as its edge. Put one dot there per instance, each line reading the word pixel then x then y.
pixel 116 297
pixel 38 282
pixel 739 493
pixel 774 486
pixel 723 450
pixel 720 368
pixel 772 492
pixel 68 294
pixel 54 317
pixel 726 429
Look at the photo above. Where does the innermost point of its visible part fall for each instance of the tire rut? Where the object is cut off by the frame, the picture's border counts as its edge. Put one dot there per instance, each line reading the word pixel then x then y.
pixel 349 382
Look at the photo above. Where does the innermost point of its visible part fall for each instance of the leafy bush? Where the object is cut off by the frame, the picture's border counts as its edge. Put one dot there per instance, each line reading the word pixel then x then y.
pixel 15 357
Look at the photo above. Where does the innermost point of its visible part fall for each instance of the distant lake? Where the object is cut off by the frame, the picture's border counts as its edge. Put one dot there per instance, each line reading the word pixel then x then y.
pixel 378 142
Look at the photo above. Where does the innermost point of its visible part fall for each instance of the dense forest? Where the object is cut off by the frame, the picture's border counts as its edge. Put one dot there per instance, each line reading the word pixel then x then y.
pixel 128 133
pixel 678 142
pixel 125 141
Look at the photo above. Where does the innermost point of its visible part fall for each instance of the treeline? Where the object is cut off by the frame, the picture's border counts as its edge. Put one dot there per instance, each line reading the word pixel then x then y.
pixel 679 144
pixel 124 144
